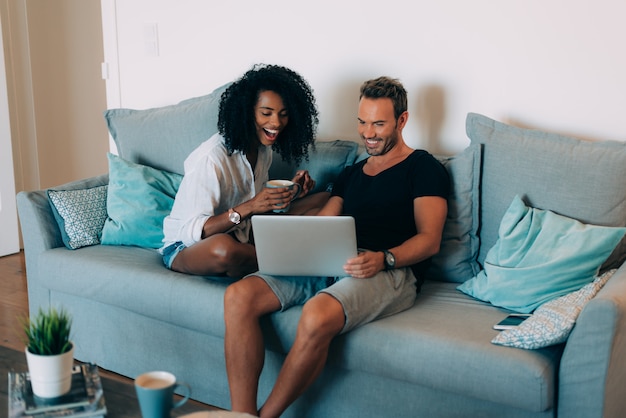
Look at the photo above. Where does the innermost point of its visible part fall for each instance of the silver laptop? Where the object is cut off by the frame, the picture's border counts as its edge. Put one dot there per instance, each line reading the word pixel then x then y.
pixel 303 245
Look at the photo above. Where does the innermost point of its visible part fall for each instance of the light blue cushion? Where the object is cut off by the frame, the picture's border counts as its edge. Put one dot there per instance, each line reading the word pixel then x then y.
pixel 583 180
pixel 138 200
pixel 458 254
pixel 324 165
pixel 539 256
pixel 163 137
pixel 80 213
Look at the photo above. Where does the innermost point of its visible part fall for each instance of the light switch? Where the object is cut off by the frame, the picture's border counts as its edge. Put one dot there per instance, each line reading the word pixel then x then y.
pixel 151 39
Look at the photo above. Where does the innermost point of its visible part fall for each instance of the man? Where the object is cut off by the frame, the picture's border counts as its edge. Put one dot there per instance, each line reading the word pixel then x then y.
pixel 398 199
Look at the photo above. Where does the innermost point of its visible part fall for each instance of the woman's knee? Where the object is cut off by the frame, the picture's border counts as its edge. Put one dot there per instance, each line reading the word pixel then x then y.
pixel 212 255
pixel 217 255
pixel 221 249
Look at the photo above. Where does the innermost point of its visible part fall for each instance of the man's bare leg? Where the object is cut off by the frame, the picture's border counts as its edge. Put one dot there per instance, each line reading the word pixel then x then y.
pixel 245 302
pixel 322 319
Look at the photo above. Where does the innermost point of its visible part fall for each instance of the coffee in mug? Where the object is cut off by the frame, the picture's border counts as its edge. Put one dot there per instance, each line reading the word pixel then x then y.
pixel 155 392
pixel 279 184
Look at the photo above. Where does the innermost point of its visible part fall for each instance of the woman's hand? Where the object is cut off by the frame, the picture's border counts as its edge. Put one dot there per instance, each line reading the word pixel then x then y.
pixel 269 199
pixel 303 178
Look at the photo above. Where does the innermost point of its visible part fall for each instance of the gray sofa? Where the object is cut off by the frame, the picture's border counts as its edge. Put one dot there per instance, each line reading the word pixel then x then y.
pixel 435 360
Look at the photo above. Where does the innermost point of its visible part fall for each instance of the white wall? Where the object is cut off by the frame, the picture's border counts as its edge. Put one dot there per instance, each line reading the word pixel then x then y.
pixel 552 64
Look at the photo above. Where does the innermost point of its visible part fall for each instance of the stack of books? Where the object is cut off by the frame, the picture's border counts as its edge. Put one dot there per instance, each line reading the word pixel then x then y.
pixel 85 398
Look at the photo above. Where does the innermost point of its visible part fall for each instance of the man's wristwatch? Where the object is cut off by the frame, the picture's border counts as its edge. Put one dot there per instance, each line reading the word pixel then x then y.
pixel 390 260
pixel 234 216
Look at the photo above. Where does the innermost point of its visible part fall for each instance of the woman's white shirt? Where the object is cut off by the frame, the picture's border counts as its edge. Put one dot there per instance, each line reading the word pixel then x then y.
pixel 214 182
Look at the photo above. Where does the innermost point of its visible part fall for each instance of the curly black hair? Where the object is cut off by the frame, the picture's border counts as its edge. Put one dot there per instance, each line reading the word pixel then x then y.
pixel 236 119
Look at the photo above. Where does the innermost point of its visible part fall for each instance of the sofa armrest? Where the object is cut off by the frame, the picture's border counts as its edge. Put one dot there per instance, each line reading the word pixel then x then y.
pixel 592 374
pixel 40 231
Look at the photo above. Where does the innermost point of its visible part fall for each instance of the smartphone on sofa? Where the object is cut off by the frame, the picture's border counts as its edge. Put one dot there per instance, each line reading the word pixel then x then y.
pixel 511 321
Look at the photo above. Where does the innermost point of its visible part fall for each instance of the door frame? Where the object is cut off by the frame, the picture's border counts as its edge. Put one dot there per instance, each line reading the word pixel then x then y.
pixel 9 238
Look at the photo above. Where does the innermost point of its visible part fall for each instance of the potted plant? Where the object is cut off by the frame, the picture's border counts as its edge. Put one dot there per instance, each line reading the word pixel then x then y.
pixel 49 352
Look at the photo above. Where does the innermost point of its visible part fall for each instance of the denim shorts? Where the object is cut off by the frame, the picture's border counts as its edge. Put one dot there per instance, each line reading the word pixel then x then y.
pixel 170 252
pixel 363 300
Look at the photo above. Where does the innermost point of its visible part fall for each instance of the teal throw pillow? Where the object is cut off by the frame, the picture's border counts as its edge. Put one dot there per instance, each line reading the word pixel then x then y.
pixel 80 213
pixel 539 256
pixel 139 198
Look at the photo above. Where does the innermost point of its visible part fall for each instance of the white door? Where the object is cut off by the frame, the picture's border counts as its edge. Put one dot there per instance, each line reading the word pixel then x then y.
pixel 9 238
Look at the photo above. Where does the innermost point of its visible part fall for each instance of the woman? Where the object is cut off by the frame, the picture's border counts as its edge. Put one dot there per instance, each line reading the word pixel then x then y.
pixel 208 231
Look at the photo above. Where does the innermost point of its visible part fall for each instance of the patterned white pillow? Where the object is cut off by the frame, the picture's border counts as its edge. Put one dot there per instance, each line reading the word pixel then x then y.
pixel 80 214
pixel 553 321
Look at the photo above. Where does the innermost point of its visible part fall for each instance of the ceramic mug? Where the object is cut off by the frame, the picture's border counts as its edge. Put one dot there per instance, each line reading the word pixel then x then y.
pixel 155 392
pixel 278 184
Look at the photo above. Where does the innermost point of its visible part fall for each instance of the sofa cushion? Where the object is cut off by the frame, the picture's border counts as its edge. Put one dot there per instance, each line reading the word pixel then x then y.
pixel 553 321
pixel 587 185
pixel 450 352
pixel 80 213
pixel 138 200
pixel 457 257
pixel 135 279
pixel 442 343
pixel 163 137
pixel 326 160
pixel 540 256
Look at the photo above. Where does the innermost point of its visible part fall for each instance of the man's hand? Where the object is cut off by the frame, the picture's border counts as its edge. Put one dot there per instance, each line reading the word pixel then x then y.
pixel 365 265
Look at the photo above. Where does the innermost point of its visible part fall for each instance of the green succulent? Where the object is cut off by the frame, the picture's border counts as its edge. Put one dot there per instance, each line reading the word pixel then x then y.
pixel 48 333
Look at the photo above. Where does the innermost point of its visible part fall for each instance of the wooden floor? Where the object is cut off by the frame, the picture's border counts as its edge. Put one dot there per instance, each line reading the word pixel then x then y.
pixel 13 300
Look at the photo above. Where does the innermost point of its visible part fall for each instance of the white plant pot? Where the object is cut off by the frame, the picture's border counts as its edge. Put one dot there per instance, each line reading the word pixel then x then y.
pixel 50 376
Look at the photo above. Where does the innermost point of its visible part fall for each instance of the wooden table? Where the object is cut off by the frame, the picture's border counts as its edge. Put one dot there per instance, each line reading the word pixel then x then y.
pixel 119 392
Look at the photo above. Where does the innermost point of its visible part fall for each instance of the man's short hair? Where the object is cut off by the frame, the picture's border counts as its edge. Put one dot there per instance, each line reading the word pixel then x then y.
pixel 386 87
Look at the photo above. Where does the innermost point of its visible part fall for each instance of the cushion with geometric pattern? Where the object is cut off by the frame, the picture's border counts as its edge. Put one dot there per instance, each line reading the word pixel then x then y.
pixel 80 214
pixel 553 321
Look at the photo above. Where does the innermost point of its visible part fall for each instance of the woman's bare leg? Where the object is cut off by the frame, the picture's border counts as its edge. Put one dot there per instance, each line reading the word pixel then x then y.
pixel 216 255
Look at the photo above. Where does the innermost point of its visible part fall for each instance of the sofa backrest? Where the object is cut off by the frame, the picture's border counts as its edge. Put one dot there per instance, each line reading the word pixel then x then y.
pixel 326 160
pixel 153 144
pixel 579 179
pixel 163 137
pixel 584 180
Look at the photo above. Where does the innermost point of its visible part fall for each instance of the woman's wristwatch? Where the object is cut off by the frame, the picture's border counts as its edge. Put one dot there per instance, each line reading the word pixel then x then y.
pixel 234 216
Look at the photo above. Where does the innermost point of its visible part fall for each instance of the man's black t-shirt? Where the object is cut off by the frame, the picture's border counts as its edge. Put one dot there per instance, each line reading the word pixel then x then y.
pixel 382 205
